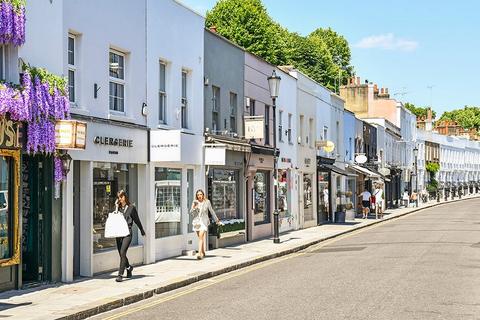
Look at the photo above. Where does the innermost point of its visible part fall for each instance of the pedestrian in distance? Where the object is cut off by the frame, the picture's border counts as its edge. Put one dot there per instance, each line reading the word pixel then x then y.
pixel 413 198
pixel 406 198
pixel 378 194
pixel 200 209
pixel 366 195
pixel 123 243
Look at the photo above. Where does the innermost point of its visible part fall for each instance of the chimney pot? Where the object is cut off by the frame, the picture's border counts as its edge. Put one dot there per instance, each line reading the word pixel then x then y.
pixel 375 87
pixel 213 29
pixel 386 90
pixel 382 91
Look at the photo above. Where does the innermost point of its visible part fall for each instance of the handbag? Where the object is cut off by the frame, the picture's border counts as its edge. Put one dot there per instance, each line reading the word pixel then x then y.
pixel 116 226
pixel 196 222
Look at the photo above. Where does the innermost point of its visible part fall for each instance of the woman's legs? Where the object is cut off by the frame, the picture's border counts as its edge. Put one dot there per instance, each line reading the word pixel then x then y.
pixel 201 243
pixel 122 246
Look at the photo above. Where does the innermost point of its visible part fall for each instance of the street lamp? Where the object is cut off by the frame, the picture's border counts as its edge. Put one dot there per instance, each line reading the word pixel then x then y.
pixel 274 86
pixel 415 153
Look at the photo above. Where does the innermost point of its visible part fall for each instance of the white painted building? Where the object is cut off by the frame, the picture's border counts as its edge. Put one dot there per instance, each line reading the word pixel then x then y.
pixel 118 88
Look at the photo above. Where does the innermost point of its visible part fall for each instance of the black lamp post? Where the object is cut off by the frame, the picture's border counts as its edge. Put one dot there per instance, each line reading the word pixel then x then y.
pixel 415 153
pixel 274 86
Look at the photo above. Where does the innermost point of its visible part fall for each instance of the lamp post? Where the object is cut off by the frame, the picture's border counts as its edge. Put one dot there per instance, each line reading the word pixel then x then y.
pixel 415 153
pixel 274 86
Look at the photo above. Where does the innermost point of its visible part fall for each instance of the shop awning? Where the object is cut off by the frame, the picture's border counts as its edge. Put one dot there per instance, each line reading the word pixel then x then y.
pixel 337 170
pixel 230 144
pixel 364 171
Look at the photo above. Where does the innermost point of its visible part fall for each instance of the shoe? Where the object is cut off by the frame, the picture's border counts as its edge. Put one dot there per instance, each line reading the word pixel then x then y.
pixel 119 279
pixel 199 257
pixel 129 272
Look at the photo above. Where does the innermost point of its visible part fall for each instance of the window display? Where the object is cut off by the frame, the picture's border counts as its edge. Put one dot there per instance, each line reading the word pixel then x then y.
pixel 261 197
pixel 224 193
pixel 323 196
pixel 307 197
pixel 108 179
pixel 5 212
pixel 168 202
pixel 283 195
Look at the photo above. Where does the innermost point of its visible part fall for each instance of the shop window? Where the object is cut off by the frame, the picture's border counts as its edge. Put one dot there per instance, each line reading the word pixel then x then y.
pixel 190 196
pixel 283 195
pixel 261 197
pixel 6 218
pixel 168 202
pixel 323 195
pixel 224 193
pixel 307 197
pixel 108 179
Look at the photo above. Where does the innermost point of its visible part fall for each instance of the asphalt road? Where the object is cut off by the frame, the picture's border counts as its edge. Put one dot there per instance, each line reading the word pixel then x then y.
pixel 423 266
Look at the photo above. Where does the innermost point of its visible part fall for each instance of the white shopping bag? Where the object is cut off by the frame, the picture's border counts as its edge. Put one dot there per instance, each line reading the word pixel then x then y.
pixel 116 225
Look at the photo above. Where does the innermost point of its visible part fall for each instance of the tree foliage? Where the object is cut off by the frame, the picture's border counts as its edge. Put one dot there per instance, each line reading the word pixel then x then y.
pixel 468 117
pixel 419 111
pixel 324 55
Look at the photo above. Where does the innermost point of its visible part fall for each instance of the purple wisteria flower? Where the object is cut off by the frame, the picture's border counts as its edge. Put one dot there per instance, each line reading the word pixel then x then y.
pixel 58 173
pixel 12 24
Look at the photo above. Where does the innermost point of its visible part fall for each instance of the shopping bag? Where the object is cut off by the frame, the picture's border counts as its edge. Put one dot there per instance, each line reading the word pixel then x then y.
pixel 116 225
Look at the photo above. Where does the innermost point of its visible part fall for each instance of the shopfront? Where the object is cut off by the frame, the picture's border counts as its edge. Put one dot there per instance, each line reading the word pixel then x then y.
pixel 225 163
pixel 288 217
pixel 114 159
pixel 259 186
pixel 176 172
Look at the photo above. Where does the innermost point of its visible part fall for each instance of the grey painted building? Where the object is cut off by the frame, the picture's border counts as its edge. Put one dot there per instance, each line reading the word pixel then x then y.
pixel 225 148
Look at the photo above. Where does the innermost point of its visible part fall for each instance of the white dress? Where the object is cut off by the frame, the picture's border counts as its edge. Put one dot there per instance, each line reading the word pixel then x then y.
pixel 200 219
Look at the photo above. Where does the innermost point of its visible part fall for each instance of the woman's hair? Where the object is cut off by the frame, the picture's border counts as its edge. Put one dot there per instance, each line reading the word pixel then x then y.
pixel 122 193
pixel 200 190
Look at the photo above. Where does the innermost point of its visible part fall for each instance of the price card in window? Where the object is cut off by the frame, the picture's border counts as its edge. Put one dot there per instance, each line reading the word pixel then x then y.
pixel 108 189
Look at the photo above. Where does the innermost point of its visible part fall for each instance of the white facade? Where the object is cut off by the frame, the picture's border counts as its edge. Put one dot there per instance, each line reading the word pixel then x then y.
pixel 407 122
pixel 286 143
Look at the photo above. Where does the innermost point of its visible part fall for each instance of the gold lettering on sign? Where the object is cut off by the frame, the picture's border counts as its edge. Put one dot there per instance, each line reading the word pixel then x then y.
pixel 9 133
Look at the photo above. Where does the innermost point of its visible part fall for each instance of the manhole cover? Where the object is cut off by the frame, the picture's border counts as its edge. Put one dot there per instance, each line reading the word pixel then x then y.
pixel 339 249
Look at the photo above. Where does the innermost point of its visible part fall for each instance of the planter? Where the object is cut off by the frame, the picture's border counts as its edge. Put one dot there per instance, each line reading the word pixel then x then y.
pixel 350 215
pixel 340 217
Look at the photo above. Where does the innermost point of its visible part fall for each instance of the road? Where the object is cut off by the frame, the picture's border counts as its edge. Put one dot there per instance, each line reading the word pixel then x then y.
pixel 422 266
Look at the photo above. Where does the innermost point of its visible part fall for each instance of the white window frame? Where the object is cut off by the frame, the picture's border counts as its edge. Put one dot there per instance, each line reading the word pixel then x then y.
pixel 233 112
pixel 72 68
pixel 3 61
pixel 290 118
pixel 162 95
pixel 184 101
pixel 216 109
pixel 280 125
pixel 118 81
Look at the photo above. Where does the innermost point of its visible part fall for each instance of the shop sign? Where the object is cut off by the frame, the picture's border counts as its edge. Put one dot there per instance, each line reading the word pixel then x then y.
pixel 116 142
pixel 215 155
pixel 254 127
pixel 9 134
pixel 70 134
pixel 165 145
pixel 384 171
pixel 361 158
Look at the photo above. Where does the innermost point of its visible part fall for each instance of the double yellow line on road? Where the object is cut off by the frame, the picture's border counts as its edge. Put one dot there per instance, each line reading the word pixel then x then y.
pixel 239 273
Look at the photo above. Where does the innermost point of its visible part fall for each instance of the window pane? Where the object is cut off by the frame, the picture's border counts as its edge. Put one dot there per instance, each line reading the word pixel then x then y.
pixel 261 193
pixel 71 51
pixel 116 66
pixel 161 114
pixel 162 77
pixel 184 85
pixel 224 193
pixel 267 124
pixel 5 214
pixel 71 85
pixel 307 197
pixel 108 179
pixel 168 202
pixel 116 97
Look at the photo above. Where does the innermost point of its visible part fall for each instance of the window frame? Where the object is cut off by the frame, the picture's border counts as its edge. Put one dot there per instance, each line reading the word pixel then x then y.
pixel 216 109
pixel 233 112
pixel 72 68
pixel 162 95
pixel 184 100
pixel 289 135
pixel 117 81
pixel 267 124
pixel 280 125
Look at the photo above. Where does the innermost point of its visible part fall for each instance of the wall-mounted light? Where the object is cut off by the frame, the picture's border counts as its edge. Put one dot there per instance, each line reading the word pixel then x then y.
pixel 66 162
pixel 144 109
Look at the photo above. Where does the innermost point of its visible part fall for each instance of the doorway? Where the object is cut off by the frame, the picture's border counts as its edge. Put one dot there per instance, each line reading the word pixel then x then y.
pixel 37 182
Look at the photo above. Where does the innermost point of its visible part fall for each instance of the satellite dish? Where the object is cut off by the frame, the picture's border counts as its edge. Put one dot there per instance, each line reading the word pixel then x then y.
pixel 329 146
pixel 361 158
pixel 384 171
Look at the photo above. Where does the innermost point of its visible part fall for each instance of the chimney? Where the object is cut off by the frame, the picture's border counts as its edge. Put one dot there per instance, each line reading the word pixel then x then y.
pixel 386 90
pixel 382 91
pixel 213 29
pixel 358 81
pixel 429 114
pixel 375 88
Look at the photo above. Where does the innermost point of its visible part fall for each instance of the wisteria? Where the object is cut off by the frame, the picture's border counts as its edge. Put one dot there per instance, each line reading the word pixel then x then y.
pixel 12 22
pixel 59 174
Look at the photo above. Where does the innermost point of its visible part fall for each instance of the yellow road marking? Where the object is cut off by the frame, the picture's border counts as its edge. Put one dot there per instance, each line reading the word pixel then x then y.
pixel 234 274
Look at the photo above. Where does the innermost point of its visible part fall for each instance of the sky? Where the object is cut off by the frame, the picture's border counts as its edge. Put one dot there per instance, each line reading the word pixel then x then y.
pixel 425 51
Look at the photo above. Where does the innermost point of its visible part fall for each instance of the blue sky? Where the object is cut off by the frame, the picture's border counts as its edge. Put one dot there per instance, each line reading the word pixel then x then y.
pixel 407 46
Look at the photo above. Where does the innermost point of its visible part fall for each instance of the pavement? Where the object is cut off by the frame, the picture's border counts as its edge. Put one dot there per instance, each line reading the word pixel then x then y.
pixel 421 266
pixel 91 296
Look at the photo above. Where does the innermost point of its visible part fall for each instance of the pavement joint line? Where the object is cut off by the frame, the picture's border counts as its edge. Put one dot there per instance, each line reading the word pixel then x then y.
pixel 185 281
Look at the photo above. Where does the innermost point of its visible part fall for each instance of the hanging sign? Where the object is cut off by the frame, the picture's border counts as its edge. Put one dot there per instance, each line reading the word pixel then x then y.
pixel 384 171
pixel 215 155
pixel 254 127
pixel 70 134
pixel 361 158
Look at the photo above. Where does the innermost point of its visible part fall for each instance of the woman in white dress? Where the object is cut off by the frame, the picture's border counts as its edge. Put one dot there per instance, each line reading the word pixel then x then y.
pixel 200 209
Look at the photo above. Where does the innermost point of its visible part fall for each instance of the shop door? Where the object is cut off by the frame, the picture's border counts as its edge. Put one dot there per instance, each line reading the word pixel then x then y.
pixel 37 184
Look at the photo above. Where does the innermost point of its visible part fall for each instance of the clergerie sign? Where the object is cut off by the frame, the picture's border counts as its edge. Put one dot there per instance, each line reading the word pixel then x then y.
pixel 117 142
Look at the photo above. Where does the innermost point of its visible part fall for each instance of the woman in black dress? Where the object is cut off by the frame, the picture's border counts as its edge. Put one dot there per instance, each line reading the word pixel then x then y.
pixel 131 215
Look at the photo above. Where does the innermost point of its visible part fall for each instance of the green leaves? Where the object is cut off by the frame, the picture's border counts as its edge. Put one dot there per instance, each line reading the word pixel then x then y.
pixel 468 117
pixel 324 55
pixel 432 167
pixel 419 111
pixel 53 80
